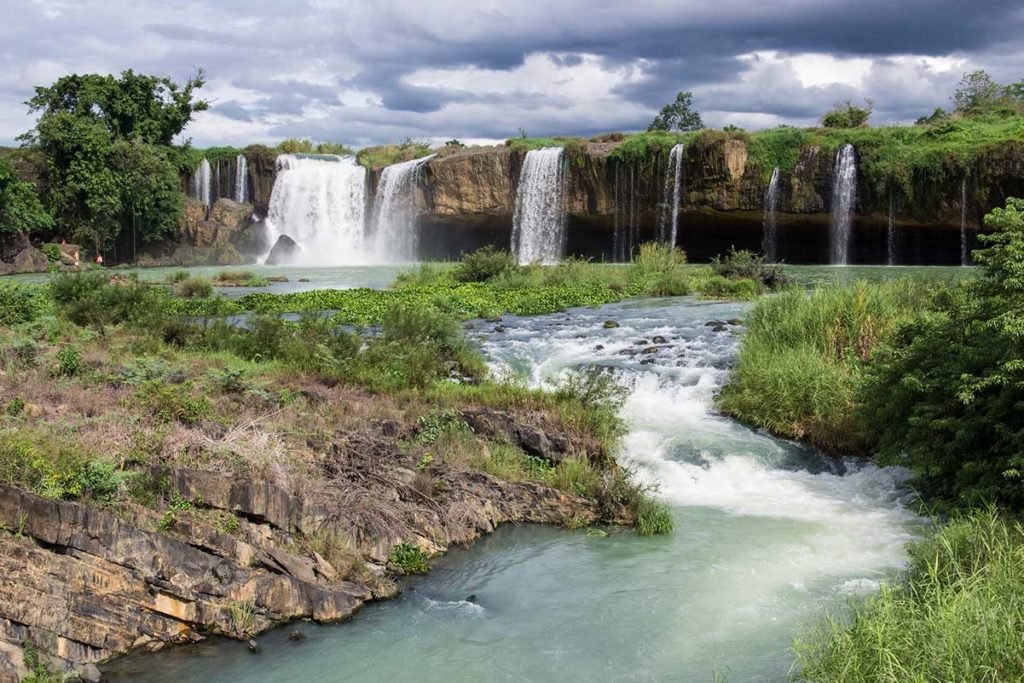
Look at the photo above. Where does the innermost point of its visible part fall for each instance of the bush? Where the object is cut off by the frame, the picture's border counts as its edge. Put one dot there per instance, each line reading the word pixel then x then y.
pixel 847 115
pixel 749 265
pixel 52 251
pixel 91 299
pixel 956 616
pixel 653 517
pixel 20 304
pixel 409 558
pixel 174 402
pixel 484 264
pixel 194 288
pixel 69 362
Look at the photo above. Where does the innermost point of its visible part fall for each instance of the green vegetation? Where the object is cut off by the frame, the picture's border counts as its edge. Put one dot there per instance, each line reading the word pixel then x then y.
pixel 20 208
pixel 304 146
pixel 956 616
pixel 385 155
pixel 409 558
pixel 848 115
pixel 106 144
pixel 679 115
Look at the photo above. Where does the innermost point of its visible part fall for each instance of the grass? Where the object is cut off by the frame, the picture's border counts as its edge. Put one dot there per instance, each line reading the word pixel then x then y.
pixel 957 615
pixel 386 155
pixel 801 360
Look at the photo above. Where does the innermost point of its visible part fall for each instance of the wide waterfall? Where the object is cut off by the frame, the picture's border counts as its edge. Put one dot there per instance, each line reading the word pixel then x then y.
pixel 241 179
pixel 769 235
pixel 890 233
pixel 202 183
pixel 538 225
pixel 668 220
pixel 395 232
pixel 844 194
pixel 965 255
pixel 626 237
pixel 319 201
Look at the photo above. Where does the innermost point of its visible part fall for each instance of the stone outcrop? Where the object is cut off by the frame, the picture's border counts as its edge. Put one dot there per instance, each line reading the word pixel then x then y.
pixel 283 251
pixel 226 220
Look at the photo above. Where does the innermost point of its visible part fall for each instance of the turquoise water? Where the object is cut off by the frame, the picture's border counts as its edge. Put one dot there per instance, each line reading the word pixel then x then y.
pixel 769 536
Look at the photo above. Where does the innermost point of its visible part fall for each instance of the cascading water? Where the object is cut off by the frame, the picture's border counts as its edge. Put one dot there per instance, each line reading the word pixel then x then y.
pixel 890 233
pixel 844 194
pixel 319 201
pixel 538 226
pixel 768 536
pixel 241 179
pixel 769 236
pixel 965 254
pixel 668 220
pixel 395 231
pixel 202 183
pixel 627 213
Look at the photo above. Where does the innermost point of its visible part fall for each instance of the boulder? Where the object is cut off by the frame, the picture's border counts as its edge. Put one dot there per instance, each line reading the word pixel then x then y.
pixel 253 239
pixel 30 260
pixel 231 215
pixel 285 249
pixel 195 212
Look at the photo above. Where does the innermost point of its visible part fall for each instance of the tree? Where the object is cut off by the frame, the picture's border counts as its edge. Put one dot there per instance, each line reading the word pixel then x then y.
pixel 945 399
pixel 677 116
pixel 20 208
pixel 977 93
pixel 848 115
pixel 106 142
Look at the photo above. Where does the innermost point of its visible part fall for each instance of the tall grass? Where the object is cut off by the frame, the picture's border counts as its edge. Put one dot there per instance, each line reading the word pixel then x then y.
pixel 957 616
pixel 802 357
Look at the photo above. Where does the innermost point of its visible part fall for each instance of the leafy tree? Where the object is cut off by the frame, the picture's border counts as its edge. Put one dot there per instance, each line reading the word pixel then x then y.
pixel 946 399
pixel 106 142
pixel 936 116
pixel 678 116
pixel 20 209
pixel 977 93
pixel 848 115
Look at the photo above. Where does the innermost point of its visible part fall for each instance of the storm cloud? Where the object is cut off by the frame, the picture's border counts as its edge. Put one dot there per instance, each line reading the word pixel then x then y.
pixel 378 71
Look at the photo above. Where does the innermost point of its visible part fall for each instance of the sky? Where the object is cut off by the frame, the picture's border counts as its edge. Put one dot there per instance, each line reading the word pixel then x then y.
pixel 378 71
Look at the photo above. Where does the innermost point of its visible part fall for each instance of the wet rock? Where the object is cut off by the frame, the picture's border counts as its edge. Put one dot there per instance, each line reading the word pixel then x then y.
pixel 642 342
pixel 735 321
pixel 720 328
pixel 303 279
pixel 500 328
pixel 90 674
pixel 628 352
pixel 285 249
pixel 650 349
pixel 609 324
pixel 599 347
pixel 648 361
pixel 714 323
pixel 253 646
pixel 296 635
pixel 658 339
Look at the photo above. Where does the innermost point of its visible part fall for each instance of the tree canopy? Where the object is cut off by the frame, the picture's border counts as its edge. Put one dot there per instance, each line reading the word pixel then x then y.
pixel 20 209
pixel 107 146
pixel 678 116
pixel 848 115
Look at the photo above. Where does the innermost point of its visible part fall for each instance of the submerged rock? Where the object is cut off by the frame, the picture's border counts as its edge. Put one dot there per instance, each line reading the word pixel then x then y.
pixel 610 324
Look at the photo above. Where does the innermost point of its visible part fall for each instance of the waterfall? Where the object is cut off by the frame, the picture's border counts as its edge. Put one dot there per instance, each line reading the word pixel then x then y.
pixel 627 212
pixel 965 255
pixel 890 234
pixel 769 236
pixel 202 183
pixel 319 201
pixel 668 220
pixel 241 179
pixel 395 234
pixel 538 226
pixel 844 194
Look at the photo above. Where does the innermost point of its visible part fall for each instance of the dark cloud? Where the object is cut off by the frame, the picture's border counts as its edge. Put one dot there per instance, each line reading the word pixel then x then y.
pixel 352 69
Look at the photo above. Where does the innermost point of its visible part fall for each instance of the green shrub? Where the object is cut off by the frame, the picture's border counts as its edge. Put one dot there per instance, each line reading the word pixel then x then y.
pixel 52 251
pixel 20 304
pixel 431 427
pixel 749 265
pixel 409 558
pixel 173 402
pixel 484 264
pixel 955 616
pixel 178 276
pixel 93 299
pixel 69 362
pixel 15 406
pixel 194 288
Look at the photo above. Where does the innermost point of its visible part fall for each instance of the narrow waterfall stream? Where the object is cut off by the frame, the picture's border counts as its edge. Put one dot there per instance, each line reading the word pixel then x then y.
pixel 395 234
pixel 319 201
pixel 538 225
pixel 768 536
pixel 241 179
pixel 626 237
pixel 668 221
pixel 770 236
pixel 844 195
pixel 202 183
